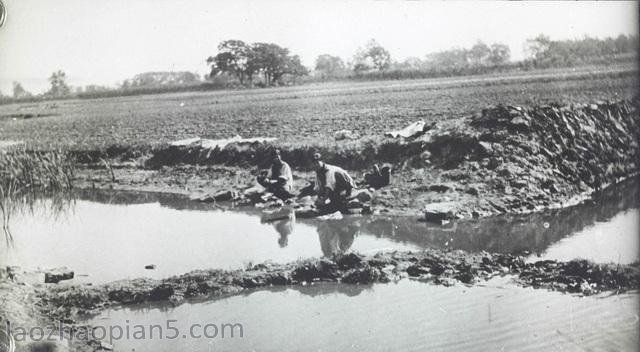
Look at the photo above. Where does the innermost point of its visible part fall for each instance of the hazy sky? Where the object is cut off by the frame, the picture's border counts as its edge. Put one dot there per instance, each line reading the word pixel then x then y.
pixel 105 42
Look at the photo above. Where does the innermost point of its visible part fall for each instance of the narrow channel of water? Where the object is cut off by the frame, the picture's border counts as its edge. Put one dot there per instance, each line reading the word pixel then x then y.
pixel 108 235
pixel 408 315
pixel 111 242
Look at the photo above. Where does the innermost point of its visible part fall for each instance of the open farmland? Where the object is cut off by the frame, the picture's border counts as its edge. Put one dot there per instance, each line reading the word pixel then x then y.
pixel 303 114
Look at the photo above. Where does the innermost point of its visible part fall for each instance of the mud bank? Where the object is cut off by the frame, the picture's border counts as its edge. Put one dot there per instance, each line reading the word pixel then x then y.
pixel 68 301
pixel 505 159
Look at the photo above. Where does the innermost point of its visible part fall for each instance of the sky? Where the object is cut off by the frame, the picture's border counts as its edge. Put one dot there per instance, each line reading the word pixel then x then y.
pixel 106 42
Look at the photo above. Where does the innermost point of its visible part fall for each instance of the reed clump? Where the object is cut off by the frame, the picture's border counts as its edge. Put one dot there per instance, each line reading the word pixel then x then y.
pixel 35 171
pixel 26 176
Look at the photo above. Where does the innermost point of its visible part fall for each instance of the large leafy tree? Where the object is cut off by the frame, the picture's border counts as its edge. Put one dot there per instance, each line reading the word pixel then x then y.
pixel 479 54
pixel 372 56
pixel 59 87
pixel 236 58
pixel 500 54
pixel 19 91
pixel 244 61
pixel 295 68
pixel 272 60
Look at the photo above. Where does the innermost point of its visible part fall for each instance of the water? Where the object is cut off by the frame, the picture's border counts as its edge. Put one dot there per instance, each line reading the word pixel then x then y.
pixel 601 241
pixel 110 242
pixel 106 235
pixel 407 315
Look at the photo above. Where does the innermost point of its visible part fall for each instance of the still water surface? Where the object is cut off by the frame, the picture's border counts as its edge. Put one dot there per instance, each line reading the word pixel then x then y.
pixel 407 315
pixel 106 235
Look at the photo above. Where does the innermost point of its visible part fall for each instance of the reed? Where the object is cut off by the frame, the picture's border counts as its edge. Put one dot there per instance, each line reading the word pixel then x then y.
pixel 26 176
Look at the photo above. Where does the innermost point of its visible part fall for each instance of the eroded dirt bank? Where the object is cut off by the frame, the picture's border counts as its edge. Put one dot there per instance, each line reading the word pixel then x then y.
pixel 27 303
pixel 68 301
pixel 503 160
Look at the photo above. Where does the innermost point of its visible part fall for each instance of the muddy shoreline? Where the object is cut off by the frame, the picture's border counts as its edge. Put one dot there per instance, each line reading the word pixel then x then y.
pixel 502 160
pixel 68 301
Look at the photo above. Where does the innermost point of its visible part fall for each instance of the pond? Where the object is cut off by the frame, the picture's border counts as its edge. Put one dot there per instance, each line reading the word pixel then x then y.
pixel 109 235
pixel 406 315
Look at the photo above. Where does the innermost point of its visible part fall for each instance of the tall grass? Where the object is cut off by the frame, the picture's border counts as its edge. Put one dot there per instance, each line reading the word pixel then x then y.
pixel 25 176
pixel 22 170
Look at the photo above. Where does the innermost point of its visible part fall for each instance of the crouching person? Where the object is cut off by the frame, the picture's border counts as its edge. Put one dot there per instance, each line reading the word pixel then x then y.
pixel 279 179
pixel 332 183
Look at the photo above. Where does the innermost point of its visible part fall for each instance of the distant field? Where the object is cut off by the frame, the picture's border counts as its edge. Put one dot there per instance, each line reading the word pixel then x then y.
pixel 303 114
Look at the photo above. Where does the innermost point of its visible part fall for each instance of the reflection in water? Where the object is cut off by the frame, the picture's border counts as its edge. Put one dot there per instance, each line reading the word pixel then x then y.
pixel 518 234
pixel 337 236
pixel 179 235
pixel 406 315
pixel 50 205
pixel 284 221
pixel 285 228
pixel 106 242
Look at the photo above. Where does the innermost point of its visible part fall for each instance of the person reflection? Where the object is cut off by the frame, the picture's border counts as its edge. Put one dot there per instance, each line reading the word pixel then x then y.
pixel 285 228
pixel 336 237
pixel 284 221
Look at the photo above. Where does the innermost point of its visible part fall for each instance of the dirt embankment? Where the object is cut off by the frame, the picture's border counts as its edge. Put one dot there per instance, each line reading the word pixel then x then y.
pixel 503 160
pixel 66 302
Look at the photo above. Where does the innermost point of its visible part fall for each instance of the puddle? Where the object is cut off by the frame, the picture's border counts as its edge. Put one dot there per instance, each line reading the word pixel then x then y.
pixel 110 242
pixel 107 235
pixel 601 241
pixel 407 315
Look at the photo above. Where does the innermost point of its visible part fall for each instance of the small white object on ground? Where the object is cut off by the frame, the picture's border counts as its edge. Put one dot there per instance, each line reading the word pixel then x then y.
pixel 412 130
pixel 333 216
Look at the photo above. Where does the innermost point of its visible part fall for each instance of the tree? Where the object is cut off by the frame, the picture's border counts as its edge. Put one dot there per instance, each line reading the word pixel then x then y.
pixel 59 87
pixel 373 56
pixel 622 44
pixel 92 88
pixel 328 66
pixel 272 60
pixel 500 54
pixel 538 47
pixel 295 68
pixel 411 63
pixel 161 79
pixel 449 59
pixel 244 60
pixel 19 92
pixel 236 58
pixel 479 54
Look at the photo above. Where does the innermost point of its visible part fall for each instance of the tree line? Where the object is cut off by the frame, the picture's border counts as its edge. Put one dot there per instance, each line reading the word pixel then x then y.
pixel 268 64
pixel 373 61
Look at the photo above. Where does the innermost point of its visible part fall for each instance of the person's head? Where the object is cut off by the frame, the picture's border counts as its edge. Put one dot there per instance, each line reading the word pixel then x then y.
pixel 317 161
pixel 275 157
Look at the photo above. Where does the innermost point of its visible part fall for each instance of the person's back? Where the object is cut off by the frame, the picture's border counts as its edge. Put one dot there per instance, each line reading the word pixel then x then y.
pixel 331 182
pixel 339 178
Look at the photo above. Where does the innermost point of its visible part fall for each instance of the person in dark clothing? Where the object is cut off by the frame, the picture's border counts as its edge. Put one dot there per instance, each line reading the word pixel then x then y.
pixel 279 179
pixel 378 178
